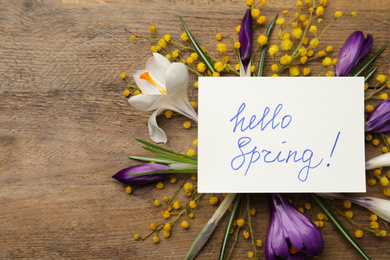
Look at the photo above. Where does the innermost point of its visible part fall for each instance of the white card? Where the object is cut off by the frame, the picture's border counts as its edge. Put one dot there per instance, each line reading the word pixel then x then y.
pixel 281 134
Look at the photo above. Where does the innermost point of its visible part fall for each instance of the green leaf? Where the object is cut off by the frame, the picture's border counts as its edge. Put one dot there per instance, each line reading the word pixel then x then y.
pixel 152 159
pixel 164 149
pixel 369 75
pixel 200 52
pixel 169 172
pixel 172 157
pixel 229 226
pixel 264 49
pixel 340 228
pixel 368 63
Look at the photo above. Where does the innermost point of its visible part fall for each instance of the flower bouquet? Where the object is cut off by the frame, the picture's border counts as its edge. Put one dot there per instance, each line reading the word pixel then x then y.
pixel 286 47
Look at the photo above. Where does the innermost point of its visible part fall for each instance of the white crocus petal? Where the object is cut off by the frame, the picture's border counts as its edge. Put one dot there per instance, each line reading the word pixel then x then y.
pixel 246 73
pixel 165 88
pixel 380 207
pixel 382 160
pixel 145 86
pixel 155 132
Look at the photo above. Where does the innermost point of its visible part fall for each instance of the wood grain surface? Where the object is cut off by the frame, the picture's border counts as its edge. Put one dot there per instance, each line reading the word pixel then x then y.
pixel 65 126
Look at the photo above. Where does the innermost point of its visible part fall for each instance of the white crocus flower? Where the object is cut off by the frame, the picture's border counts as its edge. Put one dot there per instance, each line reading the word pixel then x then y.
pixel 380 207
pixel 164 87
pixel 380 161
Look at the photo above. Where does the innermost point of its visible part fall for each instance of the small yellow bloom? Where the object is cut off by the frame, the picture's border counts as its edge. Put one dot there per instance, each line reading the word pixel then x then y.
pixel 319 20
pixel 369 108
pixel 188 186
pixel 255 12
pixel 383 233
pixel 219 66
pixel 349 213
pixel 329 49
pixel 246 234
pixel 216 74
pixel 371 182
pixel 259 243
pixel 173 179
pixel 381 78
pixel 263 2
pixel 155 239
pixel 191 215
pixel 373 217
pixel 238 28
pixel 374 225
pixel 285 12
pixel 194 177
pixel 240 222
pixel 160 185
pixel 294 71
pixel 237 45
pixel 262 19
pixel 252 211
pixel 251 255
pixel 384 181
pixel 184 37
pixel 303 59
pixel 338 14
pixel 128 189
pixel 152 28
pixel 358 233
pixel 126 92
pixel 386 191
pixel 184 224
pixel 213 200
pixel 286 59
pixel 310 53
pixel 192 204
pixel 297 32
pixel 321 216
pixel 136 237
pixel 273 49
pixel 168 56
pixel 275 75
pixel 190 60
pixel 320 10
pixel 195 143
pixel 153 48
pixel 299 3
pixel 326 62
pixel 168 114
pixel 158 47
pixel 221 47
pixel 262 40
pixel 384 96
pixel 377 172
pixel 191 152
pixel 253 68
pixel 274 67
pixel 280 21
pixel 306 71
pixel 286 45
pixel 249 2
pixel 137 92
pixel 314 42
pixel 307 206
pixel 201 67
pixel 133 37
pixel 375 142
pixel 385 149
pixel 300 209
pixel 237 67
pixel 176 205
pixel 302 17
pixel 219 37
pixel 167 233
pixel 313 29
pixel 354 14
pixel 166 198
pixel 347 204
pixel 176 53
pixel 153 226
pixel 166 214
pixel 167 37
pixel 157 202
pixel 194 56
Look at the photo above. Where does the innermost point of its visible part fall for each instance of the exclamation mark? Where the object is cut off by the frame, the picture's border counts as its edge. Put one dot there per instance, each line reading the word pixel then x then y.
pixel 334 146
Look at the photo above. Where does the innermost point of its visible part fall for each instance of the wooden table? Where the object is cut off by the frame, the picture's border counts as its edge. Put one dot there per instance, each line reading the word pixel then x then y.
pixel 65 126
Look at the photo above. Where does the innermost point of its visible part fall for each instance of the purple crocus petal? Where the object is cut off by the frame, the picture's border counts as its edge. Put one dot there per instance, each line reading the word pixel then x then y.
pixel 379 119
pixel 245 39
pixel 288 227
pixel 354 49
pixel 127 175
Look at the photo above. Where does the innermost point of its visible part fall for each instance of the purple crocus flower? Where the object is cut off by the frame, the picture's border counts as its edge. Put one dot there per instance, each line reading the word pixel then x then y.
pixel 379 119
pixel 127 175
pixel 291 235
pixel 354 49
pixel 245 39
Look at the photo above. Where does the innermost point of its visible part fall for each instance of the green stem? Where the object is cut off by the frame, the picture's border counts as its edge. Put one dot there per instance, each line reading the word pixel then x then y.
pixel 368 63
pixel 337 224
pixel 229 226
pixel 369 75
pixel 264 49
pixel 250 225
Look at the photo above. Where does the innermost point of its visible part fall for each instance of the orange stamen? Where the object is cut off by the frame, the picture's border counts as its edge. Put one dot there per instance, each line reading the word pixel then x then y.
pixel 147 77
pixel 292 250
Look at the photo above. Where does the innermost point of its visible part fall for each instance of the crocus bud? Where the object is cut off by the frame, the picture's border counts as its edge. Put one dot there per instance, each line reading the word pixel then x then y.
pixel 291 235
pixel 354 49
pixel 379 119
pixel 245 39
pixel 128 175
